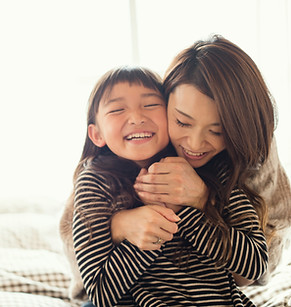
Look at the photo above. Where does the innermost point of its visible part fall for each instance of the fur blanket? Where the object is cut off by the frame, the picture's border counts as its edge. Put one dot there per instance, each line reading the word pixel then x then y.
pixel 272 183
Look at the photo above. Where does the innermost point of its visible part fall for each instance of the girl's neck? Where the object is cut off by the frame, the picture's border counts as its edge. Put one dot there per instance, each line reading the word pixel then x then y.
pixel 166 152
pixel 145 163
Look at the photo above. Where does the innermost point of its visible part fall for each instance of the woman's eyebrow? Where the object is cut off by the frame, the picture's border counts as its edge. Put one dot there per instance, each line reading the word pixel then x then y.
pixel 184 114
pixel 190 117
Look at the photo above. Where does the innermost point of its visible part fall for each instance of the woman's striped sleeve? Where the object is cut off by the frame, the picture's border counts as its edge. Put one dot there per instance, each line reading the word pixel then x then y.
pixel 249 250
pixel 108 271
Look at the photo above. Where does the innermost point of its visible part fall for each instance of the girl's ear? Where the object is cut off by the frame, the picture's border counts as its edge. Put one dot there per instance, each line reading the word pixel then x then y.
pixel 95 135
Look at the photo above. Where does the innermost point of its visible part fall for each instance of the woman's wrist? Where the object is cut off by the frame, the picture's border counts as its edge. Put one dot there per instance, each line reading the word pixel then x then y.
pixel 200 204
pixel 116 227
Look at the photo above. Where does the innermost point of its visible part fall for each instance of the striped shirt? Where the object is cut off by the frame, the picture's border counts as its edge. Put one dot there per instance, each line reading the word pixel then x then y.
pixel 124 275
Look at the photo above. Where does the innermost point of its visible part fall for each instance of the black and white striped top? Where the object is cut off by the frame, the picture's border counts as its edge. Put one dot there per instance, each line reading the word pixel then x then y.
pixel 124 275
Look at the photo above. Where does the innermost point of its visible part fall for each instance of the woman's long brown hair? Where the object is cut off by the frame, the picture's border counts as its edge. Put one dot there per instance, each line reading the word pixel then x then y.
pixel 225 73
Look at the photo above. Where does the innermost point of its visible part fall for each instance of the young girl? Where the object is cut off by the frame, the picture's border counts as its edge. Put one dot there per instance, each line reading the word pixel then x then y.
pixel 126 130
pixel 221 122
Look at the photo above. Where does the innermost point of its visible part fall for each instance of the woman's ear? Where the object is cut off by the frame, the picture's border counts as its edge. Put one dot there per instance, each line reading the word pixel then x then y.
pixel 95 135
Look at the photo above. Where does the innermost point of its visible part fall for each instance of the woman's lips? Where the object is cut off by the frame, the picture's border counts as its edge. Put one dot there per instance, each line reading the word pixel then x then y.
pixel 193 155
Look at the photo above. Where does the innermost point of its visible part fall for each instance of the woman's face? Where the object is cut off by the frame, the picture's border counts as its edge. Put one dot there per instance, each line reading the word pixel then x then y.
pixel 132 122
pixel 194 125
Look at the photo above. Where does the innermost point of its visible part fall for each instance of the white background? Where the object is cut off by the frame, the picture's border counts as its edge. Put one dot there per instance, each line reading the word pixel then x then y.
pixel 52 53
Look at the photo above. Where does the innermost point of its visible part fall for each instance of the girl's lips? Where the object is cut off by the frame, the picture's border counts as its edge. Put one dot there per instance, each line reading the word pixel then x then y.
pixel 193 155
pixel 139 136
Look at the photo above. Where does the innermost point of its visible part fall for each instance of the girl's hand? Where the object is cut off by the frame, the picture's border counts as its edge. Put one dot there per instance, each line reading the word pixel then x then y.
pixel 174 182
pixel 144 226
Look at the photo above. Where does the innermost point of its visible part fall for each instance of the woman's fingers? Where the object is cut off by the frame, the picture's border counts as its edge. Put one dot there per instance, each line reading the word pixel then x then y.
pixel 143 226
pixel 175 183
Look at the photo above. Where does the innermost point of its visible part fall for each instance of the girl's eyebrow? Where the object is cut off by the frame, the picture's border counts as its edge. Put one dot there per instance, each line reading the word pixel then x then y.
pixel 113 100
pixel 190 117
pixel 144 95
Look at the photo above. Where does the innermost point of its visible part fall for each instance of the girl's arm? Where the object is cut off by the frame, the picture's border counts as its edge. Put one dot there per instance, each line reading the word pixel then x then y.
pixel 108 270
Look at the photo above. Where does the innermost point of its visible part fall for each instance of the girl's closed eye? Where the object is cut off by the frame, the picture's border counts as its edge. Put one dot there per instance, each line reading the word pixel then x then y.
pixel 115 111
pixel 181 124
pixel 152 105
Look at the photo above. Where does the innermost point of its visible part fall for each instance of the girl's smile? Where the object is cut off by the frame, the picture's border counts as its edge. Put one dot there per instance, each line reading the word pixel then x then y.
pixel 132 122
pixel 139 136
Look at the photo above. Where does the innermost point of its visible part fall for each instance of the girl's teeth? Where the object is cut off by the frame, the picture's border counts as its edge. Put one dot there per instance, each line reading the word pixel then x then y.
pixel 139 136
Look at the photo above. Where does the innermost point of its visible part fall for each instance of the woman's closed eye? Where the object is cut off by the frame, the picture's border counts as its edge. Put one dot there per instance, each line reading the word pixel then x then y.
pixel 181 124
pixel 216 132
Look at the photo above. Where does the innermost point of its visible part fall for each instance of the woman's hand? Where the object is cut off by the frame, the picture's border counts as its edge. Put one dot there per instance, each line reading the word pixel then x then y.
pixel 144 226
pixel 241 281
pixel 173 182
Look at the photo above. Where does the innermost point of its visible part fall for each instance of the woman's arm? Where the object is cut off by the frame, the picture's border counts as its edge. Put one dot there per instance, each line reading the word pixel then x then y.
pixel 249 255
pixel 168 181
pixel 241 281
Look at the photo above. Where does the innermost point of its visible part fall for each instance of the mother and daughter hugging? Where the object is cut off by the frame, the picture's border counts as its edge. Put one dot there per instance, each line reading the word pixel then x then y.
pixel 167 207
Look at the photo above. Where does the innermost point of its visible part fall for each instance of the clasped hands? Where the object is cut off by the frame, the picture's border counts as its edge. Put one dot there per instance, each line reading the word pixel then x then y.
pixel 165 188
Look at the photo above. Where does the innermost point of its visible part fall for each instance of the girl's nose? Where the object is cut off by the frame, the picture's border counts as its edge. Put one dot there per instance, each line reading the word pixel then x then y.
pixel 136 118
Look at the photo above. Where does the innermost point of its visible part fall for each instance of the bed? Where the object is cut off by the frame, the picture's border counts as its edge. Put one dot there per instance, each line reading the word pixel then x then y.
pixel 34 272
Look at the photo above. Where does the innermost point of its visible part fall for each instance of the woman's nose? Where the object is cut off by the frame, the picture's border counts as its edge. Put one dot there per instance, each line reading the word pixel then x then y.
pixel 196 140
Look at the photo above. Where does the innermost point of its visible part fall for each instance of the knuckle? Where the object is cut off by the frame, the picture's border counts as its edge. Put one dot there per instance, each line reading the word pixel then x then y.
pixel 153 167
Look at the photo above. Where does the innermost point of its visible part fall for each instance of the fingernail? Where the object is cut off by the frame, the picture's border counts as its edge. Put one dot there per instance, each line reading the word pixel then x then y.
pixel 177 218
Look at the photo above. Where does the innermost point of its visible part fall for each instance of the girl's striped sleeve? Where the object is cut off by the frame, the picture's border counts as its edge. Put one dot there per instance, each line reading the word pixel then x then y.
pixel 108 271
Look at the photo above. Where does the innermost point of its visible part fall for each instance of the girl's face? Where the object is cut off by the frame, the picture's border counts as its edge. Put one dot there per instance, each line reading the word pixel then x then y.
pixel 194 125
pixel 132 122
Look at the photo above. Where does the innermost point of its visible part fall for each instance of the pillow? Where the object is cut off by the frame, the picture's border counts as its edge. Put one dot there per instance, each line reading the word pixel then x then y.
pixel 12 299
pixel 34 271
pixel 29 231
pixel 39 205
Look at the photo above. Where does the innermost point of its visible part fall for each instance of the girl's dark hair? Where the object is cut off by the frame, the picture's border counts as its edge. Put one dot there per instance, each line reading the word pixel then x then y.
pixel 225 73
pixel 132 75
pixel 120 173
